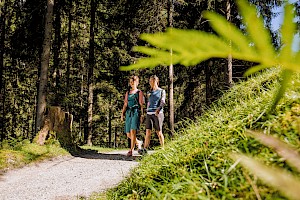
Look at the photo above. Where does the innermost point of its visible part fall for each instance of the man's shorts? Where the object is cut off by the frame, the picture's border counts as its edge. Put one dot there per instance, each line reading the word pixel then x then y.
pixel 153 121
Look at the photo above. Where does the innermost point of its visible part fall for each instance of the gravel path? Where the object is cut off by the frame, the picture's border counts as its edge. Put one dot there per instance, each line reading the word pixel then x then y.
pixel 68 177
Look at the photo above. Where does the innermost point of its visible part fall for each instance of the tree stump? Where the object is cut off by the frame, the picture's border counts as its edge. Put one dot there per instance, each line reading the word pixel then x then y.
pixel 59 122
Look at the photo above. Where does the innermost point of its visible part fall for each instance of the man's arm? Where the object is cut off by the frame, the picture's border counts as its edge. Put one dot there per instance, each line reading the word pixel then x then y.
pixel 162 100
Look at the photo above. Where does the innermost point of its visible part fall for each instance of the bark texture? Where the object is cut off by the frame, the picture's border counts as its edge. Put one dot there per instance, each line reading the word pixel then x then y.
pixel 59 122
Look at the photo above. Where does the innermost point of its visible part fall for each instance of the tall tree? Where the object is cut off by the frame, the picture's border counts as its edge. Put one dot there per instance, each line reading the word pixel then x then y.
pixel 171 73
pixel 91 73
pixel 56 71
pixel 229 63
pixel 208 66
pixel 69 49
pixel 2 49
pixel 42 88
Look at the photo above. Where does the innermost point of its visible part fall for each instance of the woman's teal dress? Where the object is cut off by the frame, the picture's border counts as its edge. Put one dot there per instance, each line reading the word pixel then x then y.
pixel 132 115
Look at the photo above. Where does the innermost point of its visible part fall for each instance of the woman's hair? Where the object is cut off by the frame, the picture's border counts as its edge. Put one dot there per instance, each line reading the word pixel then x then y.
pixel 134 78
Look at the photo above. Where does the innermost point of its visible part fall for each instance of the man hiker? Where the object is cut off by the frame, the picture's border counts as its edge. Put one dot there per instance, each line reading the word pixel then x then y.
pixel 155 114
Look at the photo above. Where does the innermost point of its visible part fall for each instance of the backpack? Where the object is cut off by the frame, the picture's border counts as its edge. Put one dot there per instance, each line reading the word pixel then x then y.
pixel 136 99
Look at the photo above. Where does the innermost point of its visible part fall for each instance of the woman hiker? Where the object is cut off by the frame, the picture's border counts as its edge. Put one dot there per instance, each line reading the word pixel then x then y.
pixel 133 112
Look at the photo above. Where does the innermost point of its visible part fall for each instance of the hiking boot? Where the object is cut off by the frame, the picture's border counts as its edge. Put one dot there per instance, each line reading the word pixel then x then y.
pixel 139 144
pixel 142 151
pixel 129 153
pixel 145 151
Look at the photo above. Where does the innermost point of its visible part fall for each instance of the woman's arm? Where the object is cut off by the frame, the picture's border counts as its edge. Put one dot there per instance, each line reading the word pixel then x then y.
pixel 124 106
pixel 141 102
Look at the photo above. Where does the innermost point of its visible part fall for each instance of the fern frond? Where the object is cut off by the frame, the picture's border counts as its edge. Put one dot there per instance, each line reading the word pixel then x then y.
pixel 229 32
pixel 287 33
pixel 256 30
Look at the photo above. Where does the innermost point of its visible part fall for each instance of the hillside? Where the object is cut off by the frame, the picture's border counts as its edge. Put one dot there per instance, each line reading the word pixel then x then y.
pixel 196 164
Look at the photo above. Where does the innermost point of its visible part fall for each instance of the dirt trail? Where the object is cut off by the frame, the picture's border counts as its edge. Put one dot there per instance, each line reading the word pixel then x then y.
pixel 68 177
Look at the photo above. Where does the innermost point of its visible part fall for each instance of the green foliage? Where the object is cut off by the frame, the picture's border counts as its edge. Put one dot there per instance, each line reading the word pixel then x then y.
pixel 254 45
pixel 190 47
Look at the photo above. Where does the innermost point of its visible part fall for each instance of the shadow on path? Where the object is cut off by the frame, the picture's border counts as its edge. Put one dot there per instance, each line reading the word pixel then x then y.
pixel 114 155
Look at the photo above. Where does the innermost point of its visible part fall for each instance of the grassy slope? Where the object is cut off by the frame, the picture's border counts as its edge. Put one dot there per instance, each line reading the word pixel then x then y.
pixel 196 165
pixel 16 154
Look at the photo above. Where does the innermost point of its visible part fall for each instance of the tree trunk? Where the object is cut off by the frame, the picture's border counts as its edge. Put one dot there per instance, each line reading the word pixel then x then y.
pixel 42 91
pixel 56 52
pixel 109 122
pixel 229 65
pixel 81 116
pixel 90 74
pixel 2 49
pixel 69 51
pixel 59 121
pixel 208 82
pixel 171 75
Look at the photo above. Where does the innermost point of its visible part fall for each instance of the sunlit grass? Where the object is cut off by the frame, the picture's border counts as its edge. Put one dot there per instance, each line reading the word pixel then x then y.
pixel 98 149
pixel 197 164
pixel 19 154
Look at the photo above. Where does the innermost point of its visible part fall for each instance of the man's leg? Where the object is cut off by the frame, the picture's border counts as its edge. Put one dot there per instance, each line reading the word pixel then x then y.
pixel 159 133
pixel 148 131
pixel 161 138
pixel 147 138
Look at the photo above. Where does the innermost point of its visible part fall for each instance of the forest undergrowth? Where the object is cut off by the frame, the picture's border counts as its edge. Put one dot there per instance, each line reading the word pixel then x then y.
pixel 197 163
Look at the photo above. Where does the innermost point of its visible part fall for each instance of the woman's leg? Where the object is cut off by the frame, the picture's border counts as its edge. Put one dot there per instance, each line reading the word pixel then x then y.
pixel 133 139
pixel 137 142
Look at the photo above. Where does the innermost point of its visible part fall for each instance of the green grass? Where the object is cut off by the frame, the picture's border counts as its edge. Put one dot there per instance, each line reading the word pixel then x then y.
pixel 197 165
pixel 98 149
pixel 14 154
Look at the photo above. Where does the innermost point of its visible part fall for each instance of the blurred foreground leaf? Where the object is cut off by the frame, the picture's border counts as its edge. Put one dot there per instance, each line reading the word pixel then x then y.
pixel 287 184
pixel 291 155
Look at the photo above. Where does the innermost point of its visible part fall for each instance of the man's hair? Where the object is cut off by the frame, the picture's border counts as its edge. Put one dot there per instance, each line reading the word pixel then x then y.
pixel 155 78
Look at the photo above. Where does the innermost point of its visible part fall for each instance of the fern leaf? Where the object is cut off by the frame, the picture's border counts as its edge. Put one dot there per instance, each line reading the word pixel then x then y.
pixel 257 31
pixel 229 32
pixel 287 32
pixel 285 80
pixel 255 69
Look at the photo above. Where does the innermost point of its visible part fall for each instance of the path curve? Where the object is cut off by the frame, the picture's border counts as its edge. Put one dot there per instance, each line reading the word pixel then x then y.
pixel 68 177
